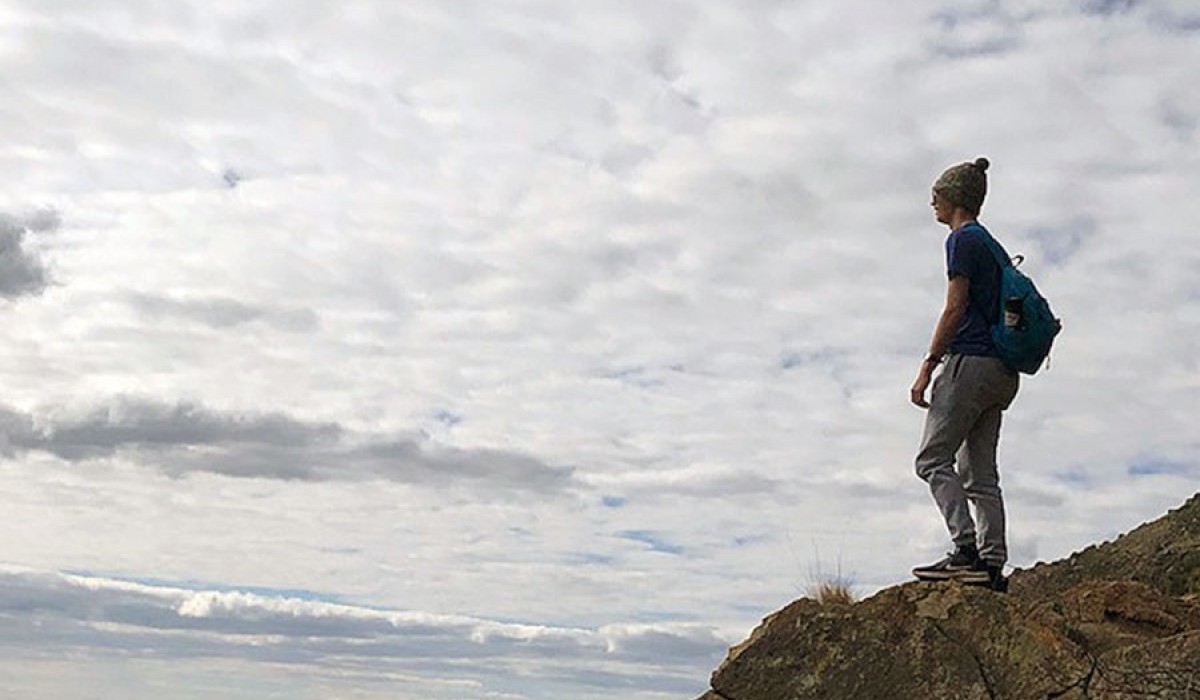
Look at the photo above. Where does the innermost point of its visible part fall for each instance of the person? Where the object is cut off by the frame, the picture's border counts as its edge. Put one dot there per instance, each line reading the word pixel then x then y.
pixel 957 457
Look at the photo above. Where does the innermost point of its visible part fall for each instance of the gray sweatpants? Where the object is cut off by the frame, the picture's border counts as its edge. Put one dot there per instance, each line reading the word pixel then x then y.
pixel 963 425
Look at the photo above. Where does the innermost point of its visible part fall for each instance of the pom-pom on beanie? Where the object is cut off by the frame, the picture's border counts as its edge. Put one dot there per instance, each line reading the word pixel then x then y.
pixel 964 184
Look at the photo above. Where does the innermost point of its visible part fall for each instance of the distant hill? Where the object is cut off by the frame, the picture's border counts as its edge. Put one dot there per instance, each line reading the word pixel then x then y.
pixel 1117 621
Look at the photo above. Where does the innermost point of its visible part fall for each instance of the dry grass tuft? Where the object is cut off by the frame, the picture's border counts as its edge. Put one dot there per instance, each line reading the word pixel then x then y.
pixel 834 588
pixel 833 591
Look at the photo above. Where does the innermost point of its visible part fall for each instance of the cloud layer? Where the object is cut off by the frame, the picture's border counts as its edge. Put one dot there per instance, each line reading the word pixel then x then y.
pixel 422 654
pixel 22 272
pixel 182 438
pixel 481 319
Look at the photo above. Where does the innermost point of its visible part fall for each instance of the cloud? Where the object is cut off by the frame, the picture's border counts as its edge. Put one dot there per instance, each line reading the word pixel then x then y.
pixel 1181 120
pixel 701 480
pixel 223 313
pixel 182 438
pixel 152 425
pixel 986 29
pixel 1176 16
pixel 22 271
pixel 673 260
pixel 408 459
pixel 98 616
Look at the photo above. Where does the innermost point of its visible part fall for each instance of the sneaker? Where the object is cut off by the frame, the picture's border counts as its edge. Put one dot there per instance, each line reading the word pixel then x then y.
pixel 993 578
pixel 963 564
pixel 998 582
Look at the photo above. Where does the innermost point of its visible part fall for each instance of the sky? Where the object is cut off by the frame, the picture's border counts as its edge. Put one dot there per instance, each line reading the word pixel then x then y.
pixel 535 350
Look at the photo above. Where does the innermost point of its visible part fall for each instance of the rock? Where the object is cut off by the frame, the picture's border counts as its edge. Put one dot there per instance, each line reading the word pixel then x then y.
pixel 1118 620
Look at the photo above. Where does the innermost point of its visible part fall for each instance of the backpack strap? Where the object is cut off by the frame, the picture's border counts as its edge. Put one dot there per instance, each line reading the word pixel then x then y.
pixel 998 252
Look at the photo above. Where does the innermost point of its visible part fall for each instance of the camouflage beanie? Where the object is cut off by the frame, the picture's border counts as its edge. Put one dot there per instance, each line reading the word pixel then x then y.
pixel 964 184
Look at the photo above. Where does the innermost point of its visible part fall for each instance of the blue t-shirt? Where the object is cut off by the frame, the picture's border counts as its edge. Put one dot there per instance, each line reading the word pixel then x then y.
pixel 967 255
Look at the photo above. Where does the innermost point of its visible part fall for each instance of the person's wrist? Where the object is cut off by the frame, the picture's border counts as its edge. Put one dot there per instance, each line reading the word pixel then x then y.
pixel 933 360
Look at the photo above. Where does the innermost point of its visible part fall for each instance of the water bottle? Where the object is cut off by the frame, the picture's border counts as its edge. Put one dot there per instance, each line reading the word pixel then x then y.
pixel 1012 312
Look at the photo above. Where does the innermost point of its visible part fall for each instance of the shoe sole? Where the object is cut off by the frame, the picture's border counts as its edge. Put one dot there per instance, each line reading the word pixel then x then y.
pixel 961 575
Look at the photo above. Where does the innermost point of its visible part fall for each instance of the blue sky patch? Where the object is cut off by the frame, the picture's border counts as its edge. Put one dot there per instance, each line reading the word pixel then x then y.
pixel 1058 243
pixel 1157 467
pixel 652 540
pixel 1108 7
pixel 614 501
pixel 192 585
pixel 973 32
pixel 744 540
pixel 799 359
pixel 590 559
pixel 1076 476
pixel 636 376
pixel 448 418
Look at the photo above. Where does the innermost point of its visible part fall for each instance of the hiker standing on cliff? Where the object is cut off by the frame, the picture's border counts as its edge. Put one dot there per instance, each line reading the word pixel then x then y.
pixel 962 424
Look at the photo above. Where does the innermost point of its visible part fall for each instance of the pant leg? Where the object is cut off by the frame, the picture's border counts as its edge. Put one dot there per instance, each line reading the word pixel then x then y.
pixel 981 483
pixel 948 420
pixel 997 387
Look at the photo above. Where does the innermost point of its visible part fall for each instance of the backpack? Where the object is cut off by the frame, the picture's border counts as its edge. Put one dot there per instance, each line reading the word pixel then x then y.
pixel 1027 326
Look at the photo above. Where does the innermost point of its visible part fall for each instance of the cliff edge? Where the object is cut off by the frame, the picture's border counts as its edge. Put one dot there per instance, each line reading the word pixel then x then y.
pixel 1117 621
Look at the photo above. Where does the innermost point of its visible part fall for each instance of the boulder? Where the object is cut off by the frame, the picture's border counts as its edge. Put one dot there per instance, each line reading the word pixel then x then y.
pixel 1119 620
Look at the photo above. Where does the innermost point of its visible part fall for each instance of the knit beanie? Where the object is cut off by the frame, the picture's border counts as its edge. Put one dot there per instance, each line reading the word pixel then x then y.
pixel 964 184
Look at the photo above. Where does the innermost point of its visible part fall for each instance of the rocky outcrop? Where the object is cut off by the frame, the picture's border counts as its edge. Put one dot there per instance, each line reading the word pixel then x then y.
pixel 1118 621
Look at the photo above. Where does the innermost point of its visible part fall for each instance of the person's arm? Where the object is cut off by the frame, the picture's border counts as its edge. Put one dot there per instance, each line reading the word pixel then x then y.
pixel 958 295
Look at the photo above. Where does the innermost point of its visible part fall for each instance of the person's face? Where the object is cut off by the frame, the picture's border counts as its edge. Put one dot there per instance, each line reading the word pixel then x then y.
pixel 942 208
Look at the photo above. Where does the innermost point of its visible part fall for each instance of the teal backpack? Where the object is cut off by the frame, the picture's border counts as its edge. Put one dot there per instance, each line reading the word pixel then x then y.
pixel 1027 327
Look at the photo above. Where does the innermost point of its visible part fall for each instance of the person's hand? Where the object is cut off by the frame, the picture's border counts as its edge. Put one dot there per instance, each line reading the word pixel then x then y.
pixel 917 393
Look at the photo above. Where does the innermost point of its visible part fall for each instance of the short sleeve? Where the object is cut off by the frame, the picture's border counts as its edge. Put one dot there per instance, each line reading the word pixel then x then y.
pixel 962 256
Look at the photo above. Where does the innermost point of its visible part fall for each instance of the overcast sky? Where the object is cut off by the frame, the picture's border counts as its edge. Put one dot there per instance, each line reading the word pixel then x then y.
pixel 537 350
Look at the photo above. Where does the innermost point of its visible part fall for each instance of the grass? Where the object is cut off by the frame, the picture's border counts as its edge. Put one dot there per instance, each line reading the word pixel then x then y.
pixel 825 588
pixel 833 591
